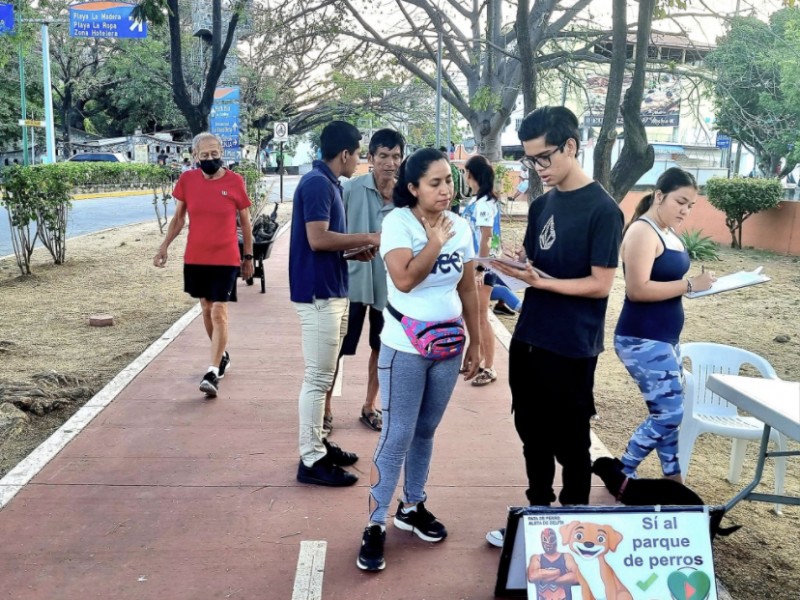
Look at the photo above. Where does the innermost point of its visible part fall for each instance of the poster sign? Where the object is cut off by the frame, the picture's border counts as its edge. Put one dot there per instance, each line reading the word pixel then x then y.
pixel 105 20
pixel 661 105
pixel 6 18
pixel 610 552
pixel 141 153
pixel 224 121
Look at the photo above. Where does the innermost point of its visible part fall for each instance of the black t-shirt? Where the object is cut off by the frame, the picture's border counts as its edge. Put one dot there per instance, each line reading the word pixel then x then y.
pixel 569 233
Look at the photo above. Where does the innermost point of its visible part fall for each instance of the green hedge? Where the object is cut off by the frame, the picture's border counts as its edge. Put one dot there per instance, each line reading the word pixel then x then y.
pixel 739 198
pixel 38 199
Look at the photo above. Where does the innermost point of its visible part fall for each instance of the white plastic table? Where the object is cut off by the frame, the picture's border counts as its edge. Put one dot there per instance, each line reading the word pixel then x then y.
pixel 777 404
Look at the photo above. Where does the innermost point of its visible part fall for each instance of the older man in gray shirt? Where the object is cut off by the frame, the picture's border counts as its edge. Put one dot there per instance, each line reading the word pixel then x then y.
pixel 367 200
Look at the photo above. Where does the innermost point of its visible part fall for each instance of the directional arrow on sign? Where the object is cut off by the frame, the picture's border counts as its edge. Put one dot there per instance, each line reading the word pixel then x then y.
pixel 137 25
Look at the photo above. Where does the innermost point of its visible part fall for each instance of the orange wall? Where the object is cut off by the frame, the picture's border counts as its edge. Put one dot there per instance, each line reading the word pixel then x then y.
pixel 777 229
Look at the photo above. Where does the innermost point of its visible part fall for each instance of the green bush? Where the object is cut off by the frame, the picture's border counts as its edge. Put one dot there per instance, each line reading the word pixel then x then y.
pixel 39 196
pixel 739 198
pixel 699 246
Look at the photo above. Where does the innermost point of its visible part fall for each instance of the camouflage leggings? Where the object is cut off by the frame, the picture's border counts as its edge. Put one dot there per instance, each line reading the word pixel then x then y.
pixel 656 369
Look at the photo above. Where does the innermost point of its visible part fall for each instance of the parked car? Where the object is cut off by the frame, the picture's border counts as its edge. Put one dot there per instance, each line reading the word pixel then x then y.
pixel 99 157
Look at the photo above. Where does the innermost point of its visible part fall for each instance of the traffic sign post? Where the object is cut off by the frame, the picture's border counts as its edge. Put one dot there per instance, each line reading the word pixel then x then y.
pixel 280 134
pixel 105 20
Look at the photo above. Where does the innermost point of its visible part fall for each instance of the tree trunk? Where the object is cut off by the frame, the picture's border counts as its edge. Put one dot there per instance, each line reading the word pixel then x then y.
pixel 66 109
pixel 608 131
pixel 487 127
pixel 637 155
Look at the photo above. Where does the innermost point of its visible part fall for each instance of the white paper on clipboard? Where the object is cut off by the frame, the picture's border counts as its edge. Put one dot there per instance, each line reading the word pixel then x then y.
pixel 513 283
pixel 734 281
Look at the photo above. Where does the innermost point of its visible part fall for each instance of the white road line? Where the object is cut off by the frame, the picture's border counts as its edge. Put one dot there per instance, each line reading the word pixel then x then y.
pixel 17 477
pixel 310 570
pixel 29 467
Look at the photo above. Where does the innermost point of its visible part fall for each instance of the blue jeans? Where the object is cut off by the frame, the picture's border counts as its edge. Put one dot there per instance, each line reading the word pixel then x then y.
pixel 502 293
pixel 656 369
pixel 414 394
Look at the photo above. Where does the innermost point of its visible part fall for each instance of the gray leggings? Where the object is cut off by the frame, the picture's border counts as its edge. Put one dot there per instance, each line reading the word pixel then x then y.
pixel 414 394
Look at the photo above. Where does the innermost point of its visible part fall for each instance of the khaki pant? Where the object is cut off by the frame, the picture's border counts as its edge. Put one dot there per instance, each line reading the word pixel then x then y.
pixel 323 325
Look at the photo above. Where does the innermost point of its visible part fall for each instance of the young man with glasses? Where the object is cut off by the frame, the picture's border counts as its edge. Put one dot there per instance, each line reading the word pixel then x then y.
pixel 574 233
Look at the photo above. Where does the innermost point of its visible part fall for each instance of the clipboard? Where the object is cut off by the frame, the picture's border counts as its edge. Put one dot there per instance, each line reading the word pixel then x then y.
pixel 356 251
pixel 513 283
pixel 734 281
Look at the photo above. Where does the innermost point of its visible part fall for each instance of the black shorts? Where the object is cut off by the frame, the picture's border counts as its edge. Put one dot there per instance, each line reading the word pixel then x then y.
pixel 356 317
pixel 215 283
pixel 490 278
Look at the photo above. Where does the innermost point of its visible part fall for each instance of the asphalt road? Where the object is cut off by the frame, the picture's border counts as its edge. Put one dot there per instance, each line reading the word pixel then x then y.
pixel 88 216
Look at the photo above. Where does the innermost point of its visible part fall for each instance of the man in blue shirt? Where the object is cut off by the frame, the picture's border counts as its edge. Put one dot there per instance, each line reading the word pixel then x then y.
pixel 318 284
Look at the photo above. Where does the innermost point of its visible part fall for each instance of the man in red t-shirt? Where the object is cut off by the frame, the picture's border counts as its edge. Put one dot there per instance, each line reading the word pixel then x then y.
pixel 213 197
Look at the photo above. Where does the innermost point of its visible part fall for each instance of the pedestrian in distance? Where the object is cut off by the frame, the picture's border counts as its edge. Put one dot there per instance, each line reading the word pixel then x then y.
pixel 428 253
pixel 573 235
pixel 367 200
pixel 483 215
pixel 318 285
pixel 646 339
pixel 212 197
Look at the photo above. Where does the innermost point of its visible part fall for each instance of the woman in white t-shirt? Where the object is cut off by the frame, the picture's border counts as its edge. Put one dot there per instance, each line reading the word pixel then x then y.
pixel 431 283
pixel 481 214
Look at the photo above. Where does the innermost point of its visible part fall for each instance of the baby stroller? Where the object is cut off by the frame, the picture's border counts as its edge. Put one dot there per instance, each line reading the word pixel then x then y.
pixel 265 228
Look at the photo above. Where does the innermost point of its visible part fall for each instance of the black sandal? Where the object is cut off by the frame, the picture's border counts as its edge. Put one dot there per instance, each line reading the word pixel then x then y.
pixel 373 420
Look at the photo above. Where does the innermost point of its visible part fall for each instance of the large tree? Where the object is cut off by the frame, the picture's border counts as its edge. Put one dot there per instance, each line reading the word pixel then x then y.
pixel 756 89
pixel 219 41
pixel 483 74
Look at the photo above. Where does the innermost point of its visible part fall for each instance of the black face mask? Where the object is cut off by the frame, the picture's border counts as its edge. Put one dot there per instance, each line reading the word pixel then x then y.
pixel 211 166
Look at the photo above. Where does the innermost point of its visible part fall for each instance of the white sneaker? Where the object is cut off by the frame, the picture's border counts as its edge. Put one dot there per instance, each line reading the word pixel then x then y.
pixel 496 536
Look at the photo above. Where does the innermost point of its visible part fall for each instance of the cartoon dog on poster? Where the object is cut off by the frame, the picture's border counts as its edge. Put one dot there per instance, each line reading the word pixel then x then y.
pixel 589 543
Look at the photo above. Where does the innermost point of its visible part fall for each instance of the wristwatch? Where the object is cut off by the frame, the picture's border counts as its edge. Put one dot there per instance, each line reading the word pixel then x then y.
pixel 248 257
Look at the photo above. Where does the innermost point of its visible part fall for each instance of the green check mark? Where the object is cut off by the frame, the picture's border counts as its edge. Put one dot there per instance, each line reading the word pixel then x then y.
pixel 643 585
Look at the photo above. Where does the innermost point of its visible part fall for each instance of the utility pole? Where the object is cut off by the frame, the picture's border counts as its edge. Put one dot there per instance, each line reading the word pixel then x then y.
pixel 50 135
pixel 439 93
pixel 23 106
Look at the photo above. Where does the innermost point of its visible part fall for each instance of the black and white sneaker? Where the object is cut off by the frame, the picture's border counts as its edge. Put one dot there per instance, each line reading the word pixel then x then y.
pixel 209 385
pixel 370 556
pixel 420 521
pixel 496 537
pixel 224 364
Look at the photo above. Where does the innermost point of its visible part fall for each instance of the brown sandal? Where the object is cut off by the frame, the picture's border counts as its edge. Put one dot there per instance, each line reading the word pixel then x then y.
pixel 373 420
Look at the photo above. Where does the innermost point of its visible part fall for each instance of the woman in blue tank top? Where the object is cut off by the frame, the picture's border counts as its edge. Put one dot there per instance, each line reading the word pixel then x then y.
pixel 655 263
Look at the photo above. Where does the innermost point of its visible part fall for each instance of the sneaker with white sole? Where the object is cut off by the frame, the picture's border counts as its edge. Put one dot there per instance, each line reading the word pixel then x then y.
pixel 224 364
pixel 496 537
pixel 370 556
pixel 485 377
pixel 209 385
pixel 420 521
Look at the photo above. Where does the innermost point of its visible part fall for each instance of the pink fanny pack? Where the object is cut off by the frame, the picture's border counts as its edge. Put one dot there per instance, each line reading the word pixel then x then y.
pixel 435 340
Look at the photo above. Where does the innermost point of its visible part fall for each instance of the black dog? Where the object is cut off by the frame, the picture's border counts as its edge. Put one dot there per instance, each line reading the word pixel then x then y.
pixel 652 492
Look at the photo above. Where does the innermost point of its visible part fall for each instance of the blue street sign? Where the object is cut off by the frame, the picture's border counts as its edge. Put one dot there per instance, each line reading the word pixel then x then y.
pixel 224 120
pixel 723 141
pixel 6 18
pixel 105 20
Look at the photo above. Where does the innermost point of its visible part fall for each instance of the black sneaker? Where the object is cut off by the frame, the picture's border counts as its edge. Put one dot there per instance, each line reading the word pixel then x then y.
pixel 338 456
pixel 422 522
pixel 324 472
pixel 224 364
pixel 503 309
pixel 209 384
pixel 370 557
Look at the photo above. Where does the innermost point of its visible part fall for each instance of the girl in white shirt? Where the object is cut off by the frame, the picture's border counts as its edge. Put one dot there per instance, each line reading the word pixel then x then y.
pixel 481 214
pixel 427 250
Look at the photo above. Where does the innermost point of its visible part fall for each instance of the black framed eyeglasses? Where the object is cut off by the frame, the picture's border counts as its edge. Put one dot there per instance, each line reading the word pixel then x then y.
pixel 531 162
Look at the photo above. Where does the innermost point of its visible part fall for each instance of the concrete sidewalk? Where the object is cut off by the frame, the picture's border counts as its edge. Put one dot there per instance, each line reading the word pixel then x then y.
pixel 165 495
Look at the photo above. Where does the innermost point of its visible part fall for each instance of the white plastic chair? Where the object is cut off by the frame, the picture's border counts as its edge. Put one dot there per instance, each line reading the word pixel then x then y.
pixel 706 412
